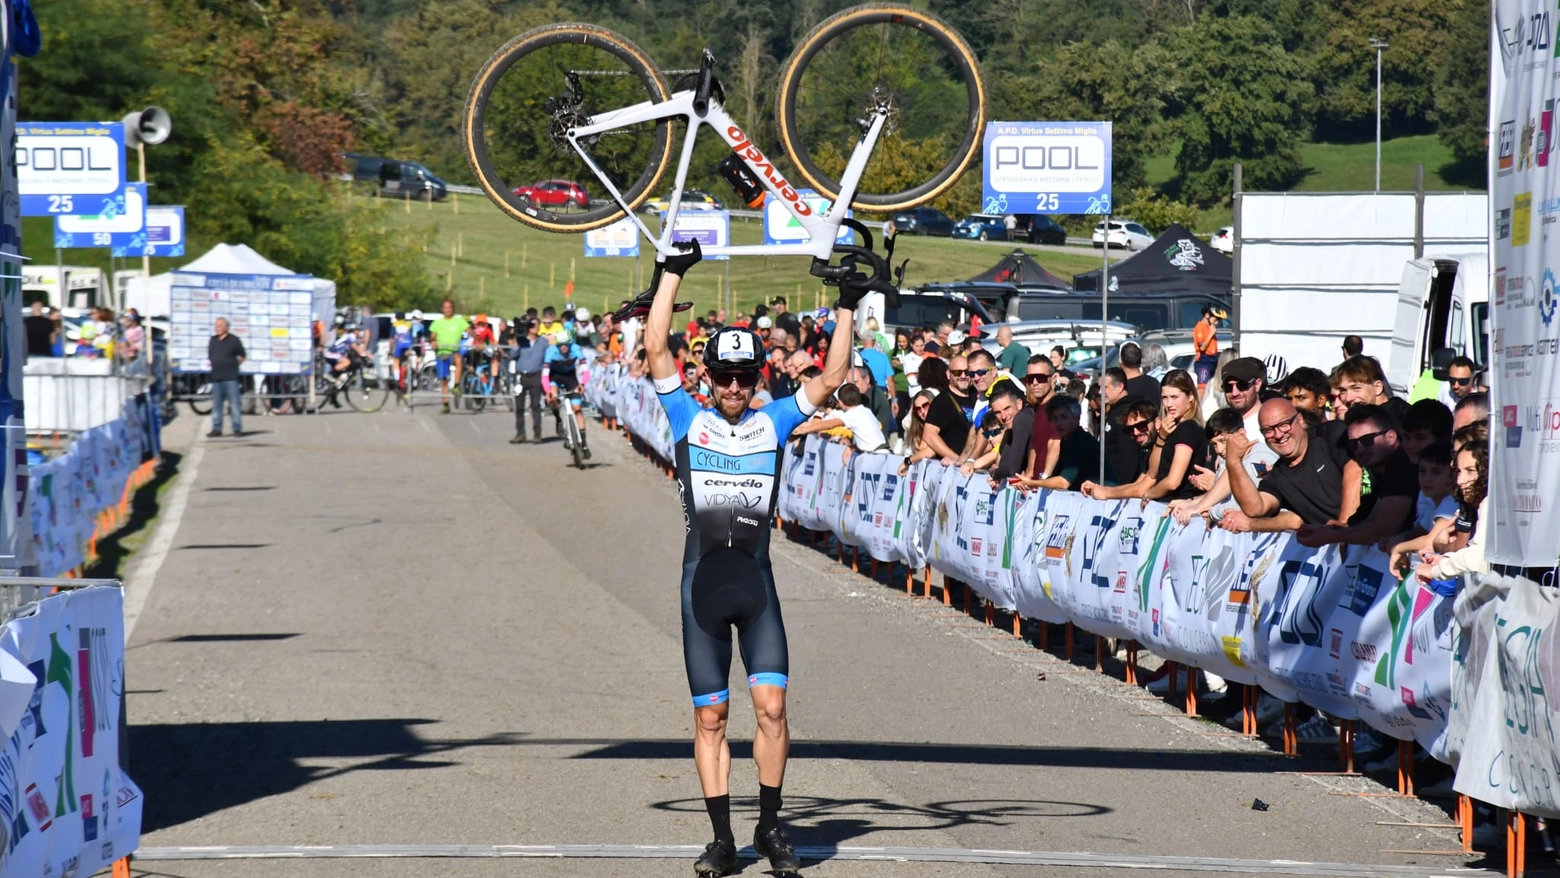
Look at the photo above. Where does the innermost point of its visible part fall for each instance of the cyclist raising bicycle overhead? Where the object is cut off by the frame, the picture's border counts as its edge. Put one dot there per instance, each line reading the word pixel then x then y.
pixel 727 458
pixel 447 332
pixel 562 363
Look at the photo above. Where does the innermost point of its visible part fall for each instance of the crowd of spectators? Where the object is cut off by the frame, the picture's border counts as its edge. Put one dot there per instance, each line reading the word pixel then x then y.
pixel 94 334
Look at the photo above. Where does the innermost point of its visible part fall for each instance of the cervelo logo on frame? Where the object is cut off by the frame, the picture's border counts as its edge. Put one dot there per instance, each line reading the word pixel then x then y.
pixel 747 150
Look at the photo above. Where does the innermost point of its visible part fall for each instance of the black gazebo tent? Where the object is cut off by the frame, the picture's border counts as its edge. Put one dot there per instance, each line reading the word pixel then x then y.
pixel 1177 262
pixel 1019 269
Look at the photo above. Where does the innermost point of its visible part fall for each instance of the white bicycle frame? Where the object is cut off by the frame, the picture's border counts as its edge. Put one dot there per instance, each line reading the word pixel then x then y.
pixel 822 229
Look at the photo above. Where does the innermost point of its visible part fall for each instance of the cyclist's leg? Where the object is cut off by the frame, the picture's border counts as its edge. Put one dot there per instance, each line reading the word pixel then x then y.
pixel 707 658
pixel 766 657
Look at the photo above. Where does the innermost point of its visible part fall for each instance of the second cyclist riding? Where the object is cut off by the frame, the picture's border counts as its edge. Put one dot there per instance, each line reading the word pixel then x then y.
pixel 578 101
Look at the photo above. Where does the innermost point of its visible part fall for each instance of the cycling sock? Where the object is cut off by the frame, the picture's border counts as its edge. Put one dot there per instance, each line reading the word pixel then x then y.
pixel 768 808
pixel 720 816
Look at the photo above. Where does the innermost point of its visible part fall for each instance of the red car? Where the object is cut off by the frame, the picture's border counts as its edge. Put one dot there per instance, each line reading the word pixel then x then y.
pixel 555 193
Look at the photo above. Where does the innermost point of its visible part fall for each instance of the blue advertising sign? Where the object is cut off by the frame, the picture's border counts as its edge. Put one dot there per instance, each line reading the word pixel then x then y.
pixel 125 213
pixel 1046 167
pixel 617 239
pixel 163 234
pixel 781 227
pixel 711 228
pixel 69 168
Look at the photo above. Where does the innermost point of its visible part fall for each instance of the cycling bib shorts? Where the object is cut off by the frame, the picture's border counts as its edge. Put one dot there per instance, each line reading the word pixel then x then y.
pixel 727 475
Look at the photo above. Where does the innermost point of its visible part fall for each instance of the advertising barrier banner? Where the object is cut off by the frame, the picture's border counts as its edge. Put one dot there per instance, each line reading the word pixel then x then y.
pixel 66 807
pixel 1329 627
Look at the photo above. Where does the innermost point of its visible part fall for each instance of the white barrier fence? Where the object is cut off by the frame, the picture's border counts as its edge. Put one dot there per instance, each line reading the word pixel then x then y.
pixel 1328 627
pixel 66 807
pixel 82 494
pixel 72 394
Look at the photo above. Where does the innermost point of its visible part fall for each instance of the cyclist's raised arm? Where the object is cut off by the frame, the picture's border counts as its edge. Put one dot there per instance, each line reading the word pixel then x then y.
pixel 820 388
pixel 658 324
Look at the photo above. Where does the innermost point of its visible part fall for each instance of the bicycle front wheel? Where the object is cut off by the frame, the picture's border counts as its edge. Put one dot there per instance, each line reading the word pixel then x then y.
pixel 536 89
pixel 366 393
pixel 908 59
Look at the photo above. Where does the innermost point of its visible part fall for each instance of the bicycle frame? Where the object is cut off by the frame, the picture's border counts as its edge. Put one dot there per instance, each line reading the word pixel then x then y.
pixel 822 229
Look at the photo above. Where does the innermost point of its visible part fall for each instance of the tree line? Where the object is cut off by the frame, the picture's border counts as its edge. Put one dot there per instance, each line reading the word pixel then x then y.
pixel 268 94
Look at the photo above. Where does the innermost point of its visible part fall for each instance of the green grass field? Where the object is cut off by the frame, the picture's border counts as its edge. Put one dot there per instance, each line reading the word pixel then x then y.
pixel 504 267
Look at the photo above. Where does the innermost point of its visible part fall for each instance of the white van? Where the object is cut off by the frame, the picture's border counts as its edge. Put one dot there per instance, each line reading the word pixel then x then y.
pixel 1443 311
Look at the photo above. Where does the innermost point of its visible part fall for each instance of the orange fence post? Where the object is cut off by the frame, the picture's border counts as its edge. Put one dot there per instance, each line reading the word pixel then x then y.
pixel 1248 710
pixel 991 613
pixel 1465 820
pixel 1191 691
pixel 1516 844
pixel 1018 625
pixel 1346 745
pixel 1291 739
pixel 1132 658
pixel 122 867
pixel 909 580
pixel 926 582
pixel 1045 634
pixel 1099 653
pixel 1406 768
pixel 947 592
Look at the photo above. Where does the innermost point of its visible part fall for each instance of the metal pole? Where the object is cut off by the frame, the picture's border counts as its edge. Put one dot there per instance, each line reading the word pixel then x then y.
pixel 1235 263
pixel 1104 325
pixel 1378 45
pixel 146 281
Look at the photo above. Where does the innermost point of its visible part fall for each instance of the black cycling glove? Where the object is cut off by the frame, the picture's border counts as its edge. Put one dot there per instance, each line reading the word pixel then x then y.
pixel 852 290
pixel 688 256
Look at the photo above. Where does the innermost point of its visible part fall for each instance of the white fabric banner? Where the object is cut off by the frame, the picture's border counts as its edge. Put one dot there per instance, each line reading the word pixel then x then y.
pixel 1525 343
pixel 66 808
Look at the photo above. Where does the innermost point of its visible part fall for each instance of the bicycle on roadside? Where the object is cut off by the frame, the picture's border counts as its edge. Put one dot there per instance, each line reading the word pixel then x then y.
pixel 358 384
pixel 577 101
pixel 480 385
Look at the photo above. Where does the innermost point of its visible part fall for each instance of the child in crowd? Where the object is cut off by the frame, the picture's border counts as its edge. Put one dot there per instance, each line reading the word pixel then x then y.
pixel 1258 460
pixel 1437 506
pixel 1473 472
pixel 1427 422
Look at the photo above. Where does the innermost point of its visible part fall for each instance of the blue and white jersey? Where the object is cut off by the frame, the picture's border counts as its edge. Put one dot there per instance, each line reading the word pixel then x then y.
pixel 728 474
pixel 563 360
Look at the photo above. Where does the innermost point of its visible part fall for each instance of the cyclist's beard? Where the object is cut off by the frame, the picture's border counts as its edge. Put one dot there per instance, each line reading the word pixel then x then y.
pixel 732 403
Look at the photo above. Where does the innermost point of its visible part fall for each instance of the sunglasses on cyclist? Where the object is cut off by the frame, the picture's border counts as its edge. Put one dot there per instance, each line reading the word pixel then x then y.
pixel 744 380
pixel 1238 384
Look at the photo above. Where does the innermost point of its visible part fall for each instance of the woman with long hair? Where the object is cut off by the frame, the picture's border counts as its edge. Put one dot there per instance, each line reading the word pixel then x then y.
pixel 915 439
pixel 1473 475
pixel 1179 441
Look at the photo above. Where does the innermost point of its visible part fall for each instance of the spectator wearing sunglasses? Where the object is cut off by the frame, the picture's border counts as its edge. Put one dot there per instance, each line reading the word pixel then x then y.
pixel 960 386
pixel 1303 488
pixel 1139 423
pixel 1122 448
pixel 1461 378
pixel 1388 506
pixel 1032 429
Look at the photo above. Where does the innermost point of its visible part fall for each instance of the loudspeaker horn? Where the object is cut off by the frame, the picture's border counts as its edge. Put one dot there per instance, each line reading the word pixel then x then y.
pixel 149 126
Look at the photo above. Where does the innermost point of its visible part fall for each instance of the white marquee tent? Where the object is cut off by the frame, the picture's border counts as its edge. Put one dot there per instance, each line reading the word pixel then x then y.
pixel 223 259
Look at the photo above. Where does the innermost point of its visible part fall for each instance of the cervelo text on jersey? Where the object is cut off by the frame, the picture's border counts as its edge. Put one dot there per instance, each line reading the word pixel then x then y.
pixel 745 148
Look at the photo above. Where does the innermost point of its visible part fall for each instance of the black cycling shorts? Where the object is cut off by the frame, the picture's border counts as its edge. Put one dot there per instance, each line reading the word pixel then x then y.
pixel 726 589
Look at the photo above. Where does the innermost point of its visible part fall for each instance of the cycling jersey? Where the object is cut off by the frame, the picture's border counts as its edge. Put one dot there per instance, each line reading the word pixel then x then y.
pixel 563 367
pixel 341 346
pixel 405 335
pixel 727 475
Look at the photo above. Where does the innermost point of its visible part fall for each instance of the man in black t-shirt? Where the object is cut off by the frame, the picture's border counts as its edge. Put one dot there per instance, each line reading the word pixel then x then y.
pixel 1139 385
pixel 1123 453
pixel 41 332
pixel 1140 422
pixel 1079 460
pixel 961 388
pixel 1394 483
pixel 1305 485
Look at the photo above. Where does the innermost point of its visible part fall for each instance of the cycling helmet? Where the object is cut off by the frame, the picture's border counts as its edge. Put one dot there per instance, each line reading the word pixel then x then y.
pixel 734 347
pixel 581 315
pixel 563 337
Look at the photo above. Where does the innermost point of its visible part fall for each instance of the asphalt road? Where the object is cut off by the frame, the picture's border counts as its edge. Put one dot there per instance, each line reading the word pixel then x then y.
pixel 396 629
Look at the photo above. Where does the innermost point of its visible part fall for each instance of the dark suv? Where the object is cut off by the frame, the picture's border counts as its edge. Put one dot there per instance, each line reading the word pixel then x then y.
pixel 1040 229
pixel 923 221
pixel 393 178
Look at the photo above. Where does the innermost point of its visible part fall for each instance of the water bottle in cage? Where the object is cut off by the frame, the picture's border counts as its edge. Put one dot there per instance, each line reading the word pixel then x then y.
pixel 742 180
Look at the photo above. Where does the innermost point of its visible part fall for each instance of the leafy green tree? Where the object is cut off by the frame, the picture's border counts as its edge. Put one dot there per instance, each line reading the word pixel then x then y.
pixel 1462 86
pixel 1344 65
pixel 1235 95
pixel 1155 211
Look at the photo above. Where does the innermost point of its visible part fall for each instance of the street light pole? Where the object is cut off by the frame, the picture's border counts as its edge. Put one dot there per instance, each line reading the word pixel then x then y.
pixel 1378 44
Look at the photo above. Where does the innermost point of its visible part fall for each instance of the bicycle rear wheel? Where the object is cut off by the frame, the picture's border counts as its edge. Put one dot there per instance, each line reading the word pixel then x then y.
pixel 366 392
pixel 576 441
pixel 921 67
pixel 531 93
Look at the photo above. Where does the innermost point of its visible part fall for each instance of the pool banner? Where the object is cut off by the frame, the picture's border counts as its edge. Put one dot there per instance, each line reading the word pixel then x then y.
pixel 66 807
pixel 1524 191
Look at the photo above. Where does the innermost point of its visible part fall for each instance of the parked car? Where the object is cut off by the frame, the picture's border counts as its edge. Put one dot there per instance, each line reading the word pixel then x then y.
pixel 1224 240
pixel 1124 233
pixel 922 310
pixel 692 199
pixel 393 178
pixel 555 193
pixel 923 221
pixel 1080 338
pixel 983 226
pixel 1039 229
pixel 1173 312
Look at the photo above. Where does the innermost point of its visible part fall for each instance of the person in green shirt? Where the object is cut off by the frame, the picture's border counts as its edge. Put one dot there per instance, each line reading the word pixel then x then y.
pixel 1014 357
pixel 447 332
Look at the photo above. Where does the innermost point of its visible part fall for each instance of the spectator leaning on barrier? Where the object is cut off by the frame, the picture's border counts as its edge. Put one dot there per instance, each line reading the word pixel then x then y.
pixel 865 434
pixel 944 427
pixel 226 353
pixel 874 399
pixel 1473 503
pixel 1436 508
pixel 530 354
pixel 915 441
pixel 1258 461
pixel 984 376
pixel 1374 442
pixel 1138 422
pixel 1006 403
pixel 1305 485
pixel 1078 456
pixel 960 385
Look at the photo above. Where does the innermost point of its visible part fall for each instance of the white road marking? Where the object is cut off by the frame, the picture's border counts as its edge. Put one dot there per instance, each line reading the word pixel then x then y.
pixel 139 584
